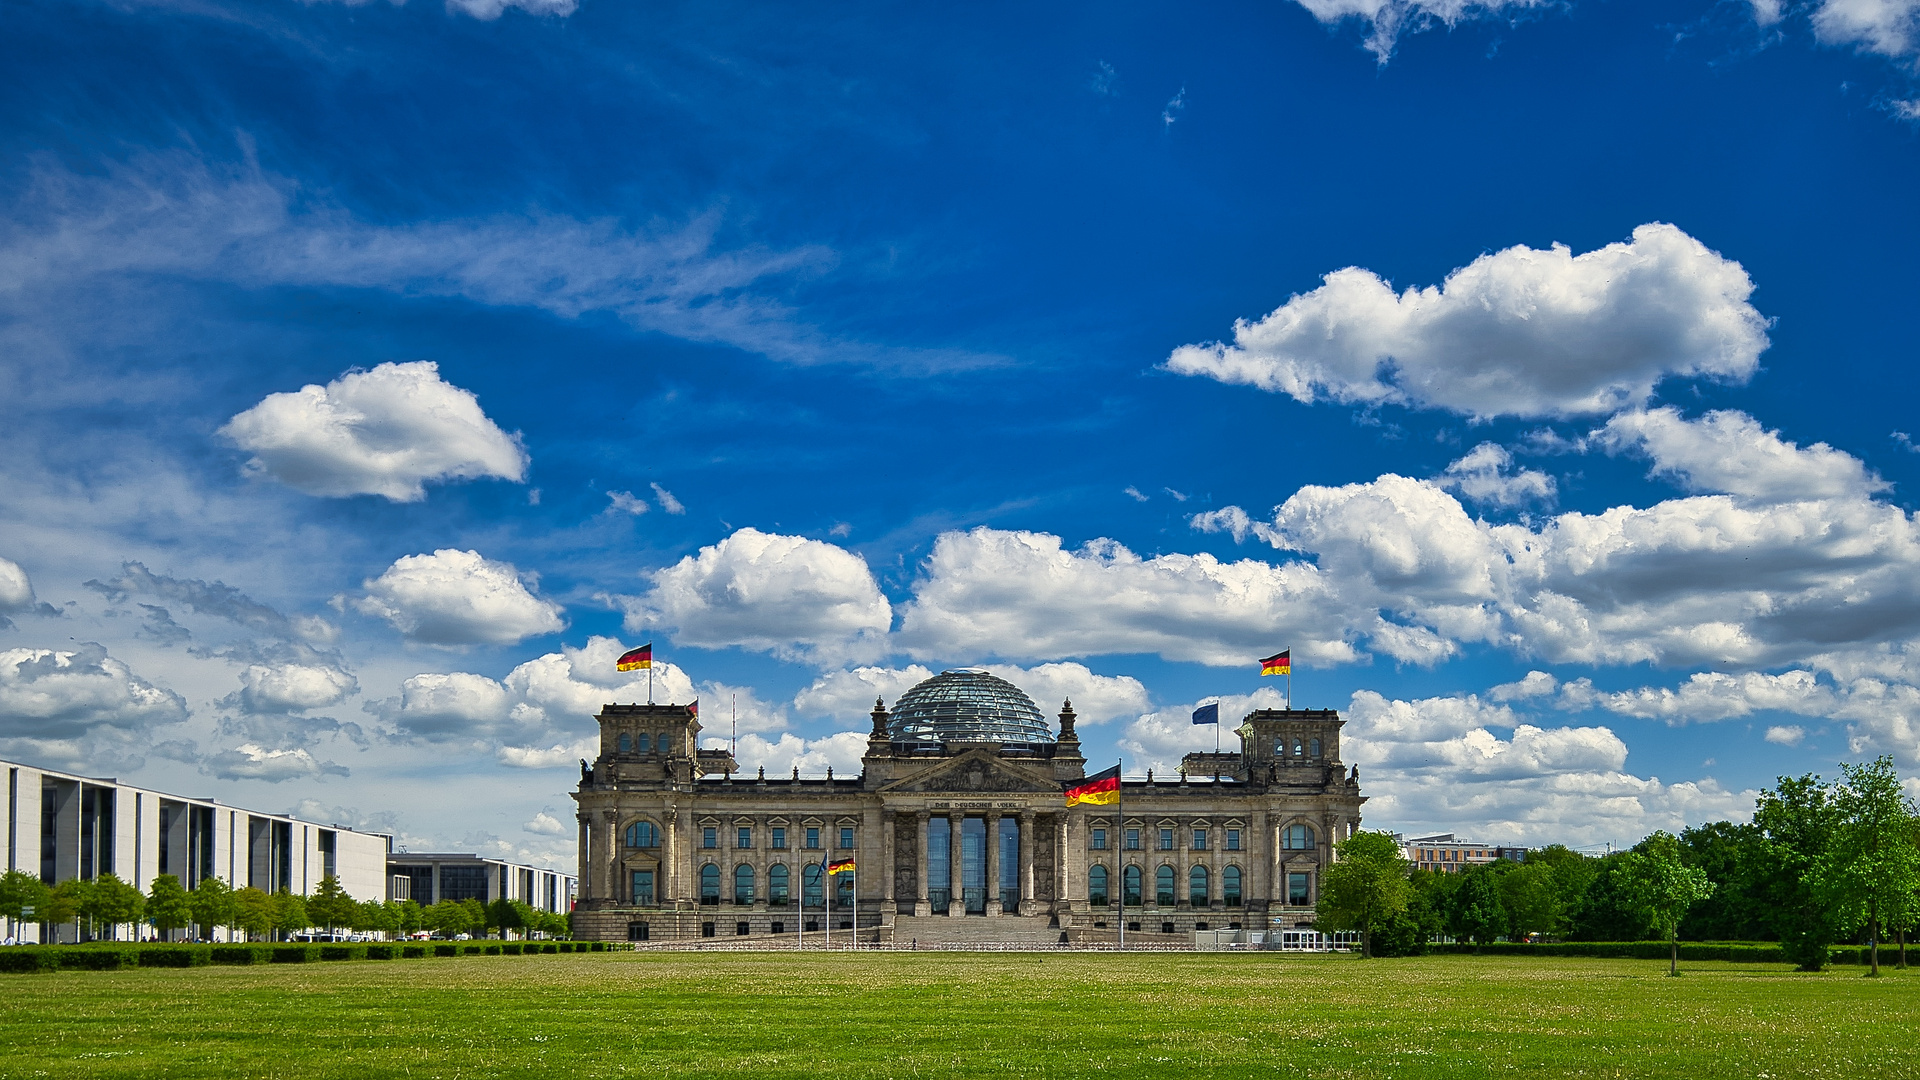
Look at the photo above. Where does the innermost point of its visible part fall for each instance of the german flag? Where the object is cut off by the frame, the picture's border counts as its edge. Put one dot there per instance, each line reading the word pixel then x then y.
pixel 693 710
pixel 1280 663
pixel 1099 789
pixel 840 866
pixel 641 657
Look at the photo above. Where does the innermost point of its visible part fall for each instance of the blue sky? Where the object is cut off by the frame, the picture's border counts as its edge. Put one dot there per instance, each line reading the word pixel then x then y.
pixel 371 374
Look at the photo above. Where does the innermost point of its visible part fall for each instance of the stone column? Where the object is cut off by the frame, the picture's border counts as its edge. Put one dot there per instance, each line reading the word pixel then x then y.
pixel 956 890
pixel 887 901
pixel 993 863
pixel 667 890
pixel 583 854
pixel 1255 886
pixel 921 906
pixel 1026 851
pixel 609 889
pixel 1067 865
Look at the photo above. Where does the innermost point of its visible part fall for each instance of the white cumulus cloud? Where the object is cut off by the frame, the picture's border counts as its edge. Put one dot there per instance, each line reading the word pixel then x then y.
pixel 1728 451
pixel 1786 734
pixel 1887 27
pixel 1386 20
pixel 454 597
pixel 250 762
pixel 840 751
pixel 1486 475
pixel 283 688
pixel 381 432
pixel 1520 332
pixel 794 597
pixel 61 694
pixel 545 824
pixel 16 592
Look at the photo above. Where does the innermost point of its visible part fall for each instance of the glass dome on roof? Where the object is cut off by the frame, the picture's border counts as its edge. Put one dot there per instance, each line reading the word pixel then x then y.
pixel 967 705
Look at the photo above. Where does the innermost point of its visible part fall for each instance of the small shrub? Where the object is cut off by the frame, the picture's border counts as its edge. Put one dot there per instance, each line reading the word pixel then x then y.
pixel 296 954
pixel 446 950
pixel 493 950
pixel 178 956
pixel 98 959
pixel 473 950
pixel 28 959
pixel 547 947
pixel 241 954
pixel 343 952
pixel 412 952
pixel 511 948
pixel 596 946
pixel 381 952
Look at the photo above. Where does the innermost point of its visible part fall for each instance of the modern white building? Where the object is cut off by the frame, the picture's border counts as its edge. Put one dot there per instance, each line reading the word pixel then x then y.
pixel 427 878
pixel 61 826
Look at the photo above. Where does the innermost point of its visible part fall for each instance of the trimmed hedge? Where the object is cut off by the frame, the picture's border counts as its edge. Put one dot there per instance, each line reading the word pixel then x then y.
pixel 177 956
pixel 383 952
pixel 446 950
pixel 28 959
pixel 296 954
pixel 90 959
pixel 546 947
pixel 343 952
pixel 1628 950
pixel 473 950
pixel 492 950
pixel 242 954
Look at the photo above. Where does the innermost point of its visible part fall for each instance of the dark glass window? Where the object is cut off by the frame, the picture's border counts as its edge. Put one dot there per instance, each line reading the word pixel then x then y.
pixel 1166 839
pixel 777 885
pixel 710 885
pixel 1133 839
pixel 640 743
pixel 625 743
pixel 1163 886
pixel 1297 895
pixel 1130 888
pixel 779 837
pixel 746 836
pixel 464 883
pixel 1097 885
pixel 643 834
pixel 743 885
pixel 1316 747
pixel 811 895
pixel 1197 893
pixel 1199 839
pixel 709 837
pixel 813 836
pixel 1233 839
pixel 846 836
pixel 1230 886
pixel 1099 840
pixel 1296 838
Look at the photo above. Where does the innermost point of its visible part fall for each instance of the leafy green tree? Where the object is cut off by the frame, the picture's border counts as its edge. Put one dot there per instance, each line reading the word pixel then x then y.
pixel 450 917
pixel 1664 887
pixel 1531 896
pixel 1871 868
pixel 1736 859
pixel 64 900
pixel 1797 820
pixel 253 912
pixel 213 905
pixel 477 922
pixel 1476 913
pixel 407 916
pixel 330 905
pixel 169 907
pixel 1365 888
pixel 22 895
pixel 111 902
pixel 290 914
pixel 1571 874
pixel 1607 911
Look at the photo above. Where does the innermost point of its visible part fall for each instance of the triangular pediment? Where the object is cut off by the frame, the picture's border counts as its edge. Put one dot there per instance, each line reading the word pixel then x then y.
pixel 976 771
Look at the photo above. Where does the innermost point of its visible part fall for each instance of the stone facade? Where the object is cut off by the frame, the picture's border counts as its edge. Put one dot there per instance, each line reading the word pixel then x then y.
pixel 674 844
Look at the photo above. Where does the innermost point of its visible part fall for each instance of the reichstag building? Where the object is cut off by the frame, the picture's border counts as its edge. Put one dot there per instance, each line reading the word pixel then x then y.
pixel 957 829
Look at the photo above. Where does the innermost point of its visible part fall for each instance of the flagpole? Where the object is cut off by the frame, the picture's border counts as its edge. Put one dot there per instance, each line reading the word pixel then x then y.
pixel 856 905
pixel 826 894
pixel 1120 807
pixel 649 667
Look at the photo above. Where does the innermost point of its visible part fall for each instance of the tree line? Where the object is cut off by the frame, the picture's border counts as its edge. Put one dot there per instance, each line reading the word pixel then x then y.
pixel 1822 863
pixel 99 907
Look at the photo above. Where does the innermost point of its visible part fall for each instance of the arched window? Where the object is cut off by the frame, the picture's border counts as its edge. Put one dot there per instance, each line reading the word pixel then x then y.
pixel 1315 746
pixel 1297 838
pixel 777 885
pixel 1097 885
pixel 1197 893
pixel 743 884
pixel 1163 886
pixel 626 742
pixel 643 834
pixel 810 894
pixel 1230 886
pixel 1130 887
pixel 640 743
pixel 843 892
pixel 1297 750
pixel 709 884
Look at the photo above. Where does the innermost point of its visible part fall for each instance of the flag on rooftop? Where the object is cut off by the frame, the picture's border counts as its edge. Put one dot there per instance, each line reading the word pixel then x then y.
pixel 1280 663
pixel 1099 789
pixel 1207 714
pixel 693 710
pixel 636 659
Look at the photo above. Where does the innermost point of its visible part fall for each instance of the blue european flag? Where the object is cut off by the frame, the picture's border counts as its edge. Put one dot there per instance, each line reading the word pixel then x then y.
pixel 1207 714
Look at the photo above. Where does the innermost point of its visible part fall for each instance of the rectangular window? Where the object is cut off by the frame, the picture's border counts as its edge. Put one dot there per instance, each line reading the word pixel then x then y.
pixel 709 837
pixel 1099 839
pixel 746 836
pixel 1166 839
pixel 779 837
pixel 1297 889
pixel 1199 839
pixel 1233 839
pixel 846 836
pixel 813 836
pixel 1133 839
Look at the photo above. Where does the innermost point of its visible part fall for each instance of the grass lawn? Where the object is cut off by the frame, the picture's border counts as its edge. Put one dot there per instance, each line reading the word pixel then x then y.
pixel 957 1014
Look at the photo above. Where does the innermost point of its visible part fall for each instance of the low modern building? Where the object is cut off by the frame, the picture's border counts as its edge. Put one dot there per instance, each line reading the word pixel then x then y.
pixel 1447 854
pixel 62 826
pixel 956 829
pixel 427 878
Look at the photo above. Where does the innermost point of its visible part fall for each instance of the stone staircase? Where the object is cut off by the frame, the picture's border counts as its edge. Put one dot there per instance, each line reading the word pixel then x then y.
pixel 975 932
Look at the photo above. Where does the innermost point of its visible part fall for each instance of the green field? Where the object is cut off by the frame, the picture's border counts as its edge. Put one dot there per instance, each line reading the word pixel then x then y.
pixel 956 1014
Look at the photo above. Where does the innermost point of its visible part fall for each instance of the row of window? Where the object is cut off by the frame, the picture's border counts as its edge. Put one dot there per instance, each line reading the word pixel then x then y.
pixel 637 744
pixel 645 834
pixel 1293 838
pixel 1199 887
pixel 1311 748
pixel 745 881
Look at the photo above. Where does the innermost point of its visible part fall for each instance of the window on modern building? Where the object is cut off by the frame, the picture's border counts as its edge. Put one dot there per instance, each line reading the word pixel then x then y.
pixel 745 839
pixel 1130 887
pixel 625 743
pixel 1296 838
pixel 710 837
pixel 777 885
pixel 640 743
pixel 1133 839
pixel 1297 892
pixel 1199 839
pixel 1166 839
pixel 1233 839
pixel 1315 747
pixel 779 838
pixel 743 884
pixel 846 836
pixel 1099 841
pixel 810 895
pixel 813 836
pixel 1197 892
pixel 1097 885
pixel 1163 886
pixel 1230 886
pixel 709 885
pixel 643 834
